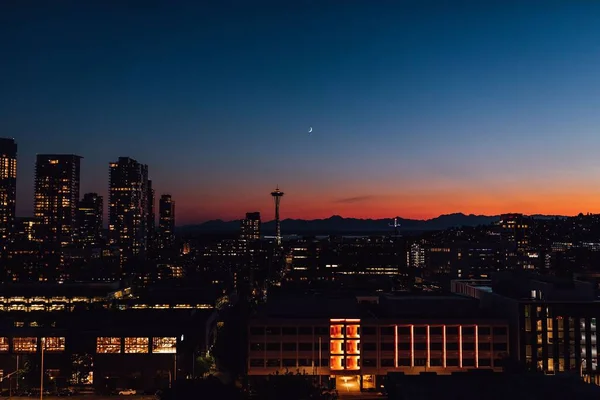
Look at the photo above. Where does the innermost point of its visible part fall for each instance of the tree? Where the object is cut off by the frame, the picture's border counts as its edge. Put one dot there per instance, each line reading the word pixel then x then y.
pixel 205 365
pixel 81 366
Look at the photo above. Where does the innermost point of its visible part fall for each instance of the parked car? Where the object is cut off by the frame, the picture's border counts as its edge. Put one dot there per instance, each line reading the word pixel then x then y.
pixel 127 392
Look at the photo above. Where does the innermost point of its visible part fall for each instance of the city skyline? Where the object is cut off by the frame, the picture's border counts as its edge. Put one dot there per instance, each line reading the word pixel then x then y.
pixel 417 110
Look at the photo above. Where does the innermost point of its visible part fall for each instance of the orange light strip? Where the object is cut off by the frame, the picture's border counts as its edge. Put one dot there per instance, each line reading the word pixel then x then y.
pixel 460 346
pixel 444 346
pixel 412 346
pixel 396 346
pixel 476 346
pixel 428 364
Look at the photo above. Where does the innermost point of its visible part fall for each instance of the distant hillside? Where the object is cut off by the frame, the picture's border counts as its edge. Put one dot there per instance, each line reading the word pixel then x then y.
pixel 337 224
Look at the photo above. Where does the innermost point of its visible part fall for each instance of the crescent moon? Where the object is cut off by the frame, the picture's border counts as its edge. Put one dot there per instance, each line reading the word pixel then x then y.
pixel 310 130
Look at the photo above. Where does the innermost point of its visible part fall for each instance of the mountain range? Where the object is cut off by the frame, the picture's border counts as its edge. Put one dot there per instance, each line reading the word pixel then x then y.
pixel 338 224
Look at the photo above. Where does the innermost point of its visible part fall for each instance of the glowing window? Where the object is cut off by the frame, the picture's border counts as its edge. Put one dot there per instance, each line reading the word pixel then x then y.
pixel 337 362
pixel 105 345
pixel 352 346
pixel 25 345
pixel 136 345
pixel 337 347
pixel 336 331
pixel 54 344
pixel 4 344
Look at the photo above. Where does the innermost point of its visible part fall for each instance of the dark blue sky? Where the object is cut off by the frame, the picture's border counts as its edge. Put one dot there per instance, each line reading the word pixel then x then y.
pixel 418 107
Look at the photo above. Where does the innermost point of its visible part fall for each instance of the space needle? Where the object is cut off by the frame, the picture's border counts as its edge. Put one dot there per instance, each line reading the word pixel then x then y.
pixel 277 195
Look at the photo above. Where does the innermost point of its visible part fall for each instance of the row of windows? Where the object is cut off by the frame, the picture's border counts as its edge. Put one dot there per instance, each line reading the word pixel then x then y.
pixel 135 345
pixel 30 344
pixel 103 344
pixel 371 362
pixel 466 346
pixel 385 330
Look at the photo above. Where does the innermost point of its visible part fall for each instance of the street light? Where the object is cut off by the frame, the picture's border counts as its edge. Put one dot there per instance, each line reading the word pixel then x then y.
pixel 42 343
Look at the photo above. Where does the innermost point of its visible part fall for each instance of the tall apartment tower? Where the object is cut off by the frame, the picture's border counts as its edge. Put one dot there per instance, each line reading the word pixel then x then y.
pixel 166 222
pixel 57 181
pixel 128 208
pixel 89 220
pixel 251 226
pixel 8 186
pixel 151 224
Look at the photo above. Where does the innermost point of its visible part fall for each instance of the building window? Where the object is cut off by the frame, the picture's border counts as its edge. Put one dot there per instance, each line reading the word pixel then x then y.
pixel 387 346
pixel 108 345
pixel 388 331
pixel 164 345
pixel 289 362
pixel 369 330
pixel 273 363
pixel 4 345
pixel 404 362
pixel 136 345
pixel 305 347
pixel 25 345
pixel 274 331
pixel 288 331
pixel 387 362
pixel 273 346
pixel 54 344
pixel 304 362
pixel 305 330
pixel 289 346
pixel 257 362
pixel 499 330
pixel 256 347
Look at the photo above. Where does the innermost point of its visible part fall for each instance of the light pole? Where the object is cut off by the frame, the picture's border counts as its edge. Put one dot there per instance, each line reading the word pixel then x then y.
pixel 42 343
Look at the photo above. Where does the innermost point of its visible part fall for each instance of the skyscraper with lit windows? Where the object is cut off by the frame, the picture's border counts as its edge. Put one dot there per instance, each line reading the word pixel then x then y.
pixel 89 220
pixel 251 226
pixel 128 208
pixel 57 181
pixel 8 186
pixel 166 223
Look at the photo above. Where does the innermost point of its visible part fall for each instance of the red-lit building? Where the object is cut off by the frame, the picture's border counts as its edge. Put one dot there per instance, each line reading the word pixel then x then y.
pixel 355 341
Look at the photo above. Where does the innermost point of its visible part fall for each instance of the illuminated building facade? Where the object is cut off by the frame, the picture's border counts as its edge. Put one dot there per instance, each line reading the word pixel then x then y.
pixel 515 230
pixel 553 321
pixel 8 186
pixel 57 181
pixel 128 208
pixel 115 329
pixel 251 227
pixel 166 222
pixel 379 335
pixel 90 220
pixel 151 224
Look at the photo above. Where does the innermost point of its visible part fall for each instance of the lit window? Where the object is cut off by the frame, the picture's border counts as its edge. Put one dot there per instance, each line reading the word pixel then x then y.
pixel 136 345
pixel 108 345
pixel 25 345
pixel 164 345
pixel 4 344
pixel 54 344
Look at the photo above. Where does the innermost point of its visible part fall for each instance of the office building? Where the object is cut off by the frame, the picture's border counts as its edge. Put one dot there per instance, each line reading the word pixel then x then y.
pixel 90 220
pixel 166 221
pixel 151 224
pixel 358 340
pixel 8 186
pixel 57 181
pixel 251 227
pixel 553 321
pixel 128 208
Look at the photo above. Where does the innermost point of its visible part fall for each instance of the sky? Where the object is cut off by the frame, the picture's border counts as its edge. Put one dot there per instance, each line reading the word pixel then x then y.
pixel 418 108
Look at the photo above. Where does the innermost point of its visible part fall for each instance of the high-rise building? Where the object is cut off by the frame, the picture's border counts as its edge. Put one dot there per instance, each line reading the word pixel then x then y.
pixel 151 225
pixel 251 226
pixel 128 208
pixel 56 196
pixel 8 186
pixel 89 220
pixel 166 222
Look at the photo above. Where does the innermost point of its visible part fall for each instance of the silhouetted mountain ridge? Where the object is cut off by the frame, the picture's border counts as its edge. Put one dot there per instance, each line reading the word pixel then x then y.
pixel 339 224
